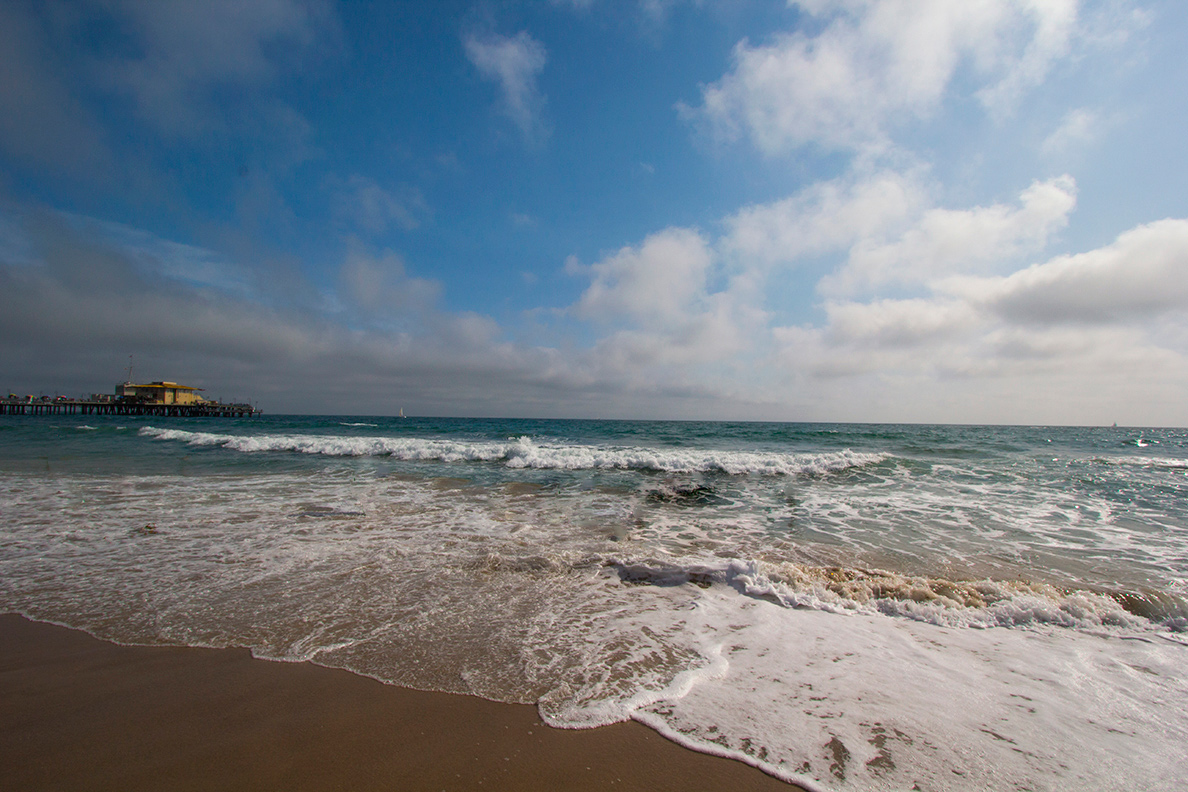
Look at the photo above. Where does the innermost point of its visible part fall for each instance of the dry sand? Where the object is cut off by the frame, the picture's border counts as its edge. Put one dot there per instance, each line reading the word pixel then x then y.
pixel 82 714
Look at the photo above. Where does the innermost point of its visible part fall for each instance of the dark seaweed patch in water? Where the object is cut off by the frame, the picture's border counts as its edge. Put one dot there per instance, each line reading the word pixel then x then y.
pixel 662 575
pixel 686 494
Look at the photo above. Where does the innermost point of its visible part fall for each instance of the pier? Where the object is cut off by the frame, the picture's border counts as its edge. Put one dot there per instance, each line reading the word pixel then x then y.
pixel 62 406
pixel 161 398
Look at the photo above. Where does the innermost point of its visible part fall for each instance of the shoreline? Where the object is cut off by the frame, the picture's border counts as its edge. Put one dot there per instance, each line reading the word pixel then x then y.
pixel 80 712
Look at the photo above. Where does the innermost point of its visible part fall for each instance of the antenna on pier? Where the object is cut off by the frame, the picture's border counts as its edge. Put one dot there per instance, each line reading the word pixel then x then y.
pixel 129 369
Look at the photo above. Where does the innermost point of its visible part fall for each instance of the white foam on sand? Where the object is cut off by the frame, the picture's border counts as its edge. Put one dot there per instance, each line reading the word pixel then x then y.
pixel 867 702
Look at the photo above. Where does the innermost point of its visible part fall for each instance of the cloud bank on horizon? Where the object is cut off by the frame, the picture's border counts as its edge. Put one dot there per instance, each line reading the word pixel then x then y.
pixel 858 210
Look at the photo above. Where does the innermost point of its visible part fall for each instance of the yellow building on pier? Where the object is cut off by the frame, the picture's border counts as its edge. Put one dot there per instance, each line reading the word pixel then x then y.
pixel 159 393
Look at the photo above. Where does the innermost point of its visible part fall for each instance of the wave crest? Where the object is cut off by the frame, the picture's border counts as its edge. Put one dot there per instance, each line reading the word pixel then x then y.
pixel 525 453
pixel 1148 462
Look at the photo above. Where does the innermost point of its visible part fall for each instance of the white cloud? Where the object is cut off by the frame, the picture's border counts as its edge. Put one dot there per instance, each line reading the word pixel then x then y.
pixel 877 63
pixel 1054 23
pixel 1144 273
pixel 684 351
pixel 80 301
pixel 984 338
pixel 676 324
pixel 655 284
pixel 1057 376
pixel 1077 129
pixel 826 217
pixel 884 225
pixel 949 241
pixel 1138 280
pixel 1072 337
pixel 896 323
pixel 514 62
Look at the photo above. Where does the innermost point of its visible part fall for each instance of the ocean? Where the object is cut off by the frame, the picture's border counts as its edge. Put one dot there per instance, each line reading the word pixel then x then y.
pixel 846 606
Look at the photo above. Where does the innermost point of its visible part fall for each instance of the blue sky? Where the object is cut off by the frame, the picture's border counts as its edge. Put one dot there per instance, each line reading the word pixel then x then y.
pixel 857 210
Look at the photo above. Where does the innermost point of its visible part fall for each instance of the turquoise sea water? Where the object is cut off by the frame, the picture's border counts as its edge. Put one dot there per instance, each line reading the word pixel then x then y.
pixel 850 606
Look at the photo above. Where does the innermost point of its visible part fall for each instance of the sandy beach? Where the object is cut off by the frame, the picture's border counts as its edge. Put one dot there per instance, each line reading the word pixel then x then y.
pixel 81 713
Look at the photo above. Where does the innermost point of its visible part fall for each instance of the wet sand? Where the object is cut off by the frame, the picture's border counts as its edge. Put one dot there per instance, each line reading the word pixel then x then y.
pixel 80 713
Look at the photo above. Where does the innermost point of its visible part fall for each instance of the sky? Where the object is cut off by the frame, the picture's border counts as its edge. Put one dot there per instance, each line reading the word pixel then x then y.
pixel 940 211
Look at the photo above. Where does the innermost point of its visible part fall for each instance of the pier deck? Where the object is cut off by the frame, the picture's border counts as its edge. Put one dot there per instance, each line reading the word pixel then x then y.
pixel 86 407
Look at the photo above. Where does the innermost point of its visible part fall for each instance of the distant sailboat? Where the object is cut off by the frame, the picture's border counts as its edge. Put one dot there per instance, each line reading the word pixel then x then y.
pixel 402 415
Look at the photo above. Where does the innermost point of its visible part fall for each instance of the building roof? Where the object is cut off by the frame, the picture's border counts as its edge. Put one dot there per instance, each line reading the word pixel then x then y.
pixel 162 384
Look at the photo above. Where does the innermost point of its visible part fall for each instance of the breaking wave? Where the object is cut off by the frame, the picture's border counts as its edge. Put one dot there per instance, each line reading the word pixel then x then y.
pixel 1150 462
pixel 943 602
pixel 524 453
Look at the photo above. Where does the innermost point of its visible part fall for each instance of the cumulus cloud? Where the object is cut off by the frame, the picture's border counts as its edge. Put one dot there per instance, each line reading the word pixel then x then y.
pixel 949 241
pixel 653 284
pixel 889 233
pixel 1057 376
pixel 682 352
pixel 878 63
pixel 1139 279
pixel 677 323
pixel 514 62
pixel 827 216
pixel 1101 327
pixel 1144 273
pixel 945 311
pixel 656 12
pixel 983 332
